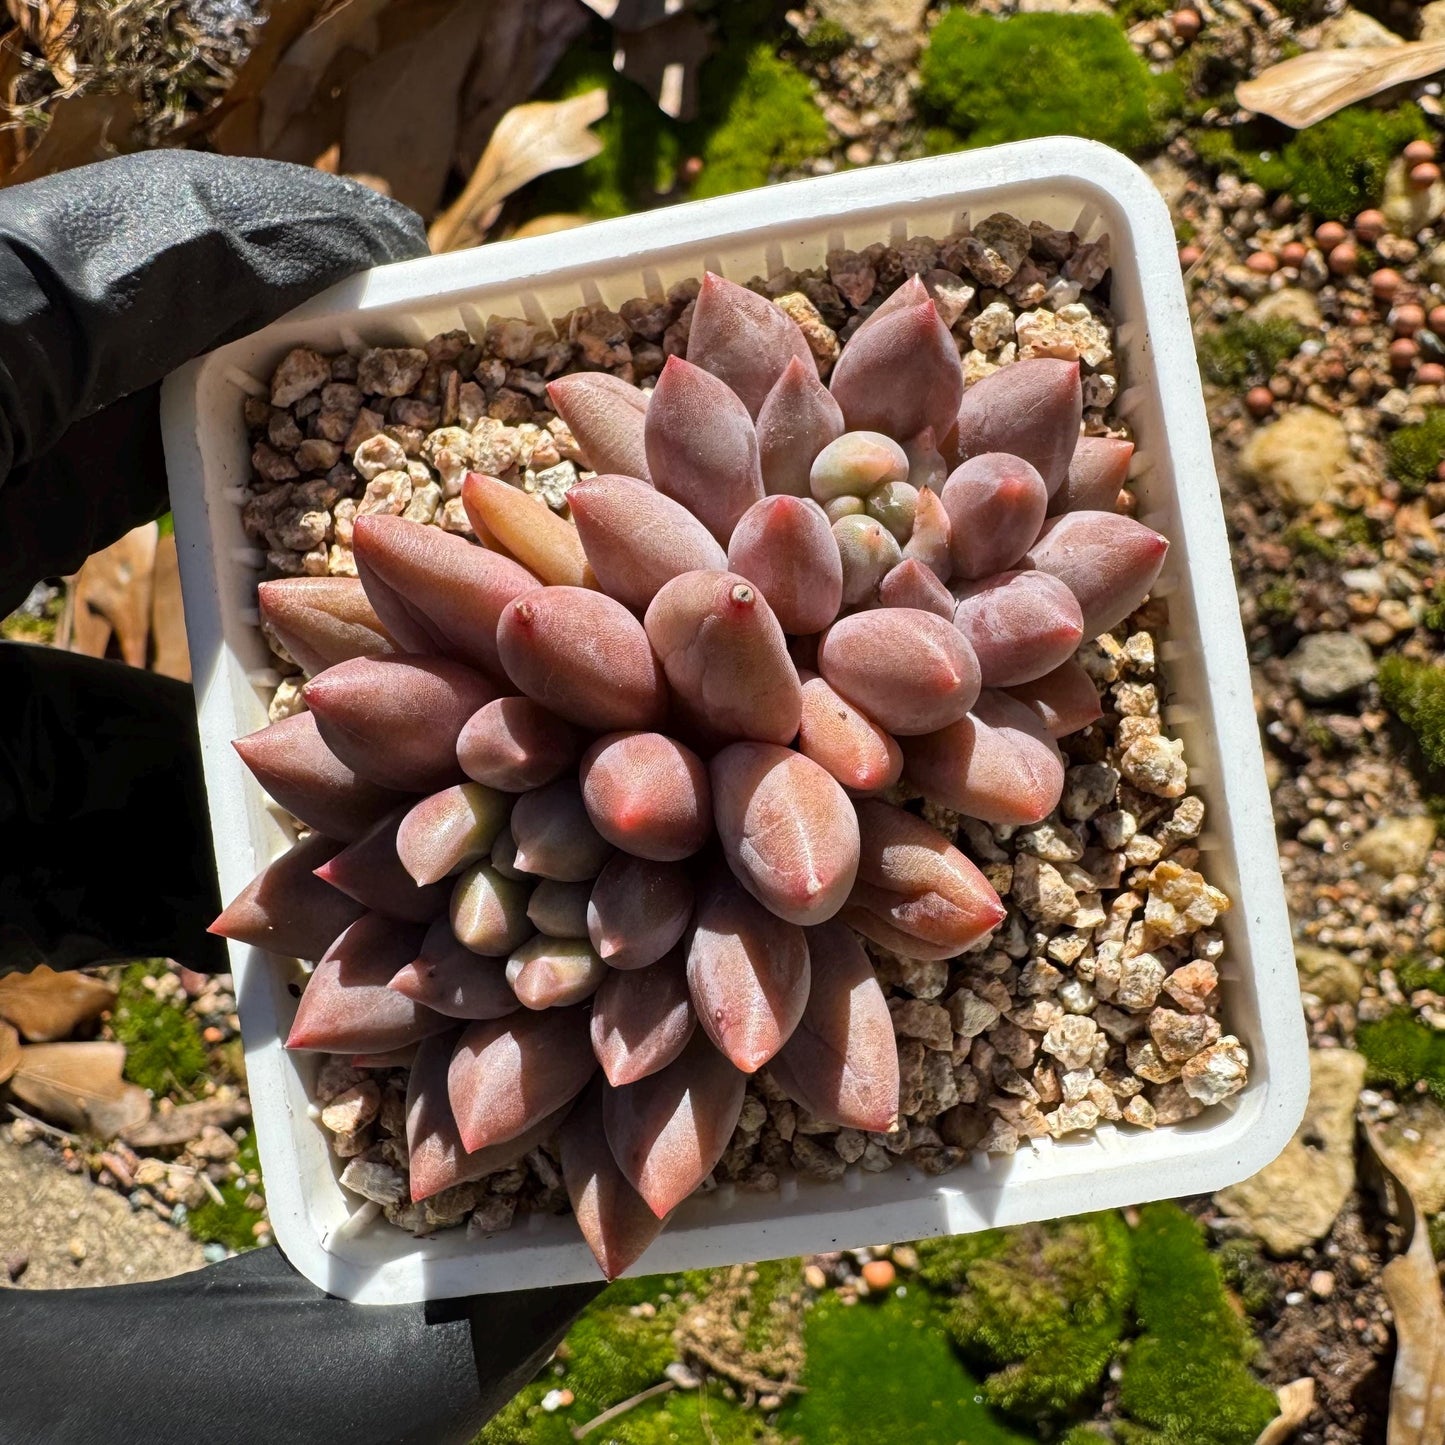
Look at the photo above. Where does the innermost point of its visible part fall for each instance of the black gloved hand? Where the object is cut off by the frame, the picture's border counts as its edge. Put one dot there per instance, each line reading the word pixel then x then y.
pixel 111 276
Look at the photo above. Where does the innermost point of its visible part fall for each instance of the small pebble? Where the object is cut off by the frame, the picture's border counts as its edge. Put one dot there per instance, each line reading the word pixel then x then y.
pixel 1322 1284
pixel 814 1277
pixel 1330 235
pixel 1344 258
pixel 1403 353
pixel 1187 24
pixel 213 1253
pixel 1423 176
pixel 1293 253
pixel 76 1248
pixel 1418 152
pixel 878 1274
pixel 1384 283
pixel 1190 256
pixel 1259 400
pixel 1430 373
pixel 1262 263
pixel 1370 226
pixel 1407 319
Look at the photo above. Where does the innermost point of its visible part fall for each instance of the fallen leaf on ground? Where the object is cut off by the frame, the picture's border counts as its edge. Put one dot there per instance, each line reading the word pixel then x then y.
pixel 171 657
pixel 80 1087
pixel 185 1122
pixel 529 141
pixel 114 587
pixel 9 1050
pixel 1309 87
pixel 83 128
pixel 1411 1283
pixel 1296 1400
pixel 45 1005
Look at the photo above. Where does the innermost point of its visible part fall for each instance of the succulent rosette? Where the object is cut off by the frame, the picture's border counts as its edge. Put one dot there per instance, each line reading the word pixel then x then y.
pixel 600 805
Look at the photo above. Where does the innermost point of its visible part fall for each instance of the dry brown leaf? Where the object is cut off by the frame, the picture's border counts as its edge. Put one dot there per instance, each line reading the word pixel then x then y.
pixel 170 655
pixel 529 141
pixel 83 128
pixel 1296 1400
pixel 116 584
pixel 45 1005
pixel 9 1050
pixel 79 1086
pixel 1411 1283
pixel 1309 87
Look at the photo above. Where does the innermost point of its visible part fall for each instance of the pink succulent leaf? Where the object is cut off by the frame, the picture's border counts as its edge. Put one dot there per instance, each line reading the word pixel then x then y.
pixel 554 836
pixel 927 469
pixel 505 518
pixel 642 1019
pixel 488 911
pixel 912 584
pixel 869 552
pixel 507 1075
pixel 888 935
pixel 637 539
pixel 1097 474
pixel 322 620
pixel 856 463
pixel 286 910
pixel 909 671
pixel 388 1058
pixel 743 340
pixel 702 449
pixel 995 504
pixel 668 1130
pixel 504 858
pixel 1064 699
pixel 554 972
pixel 798 419
pixel 442 834
pixel 648 794
pixel 560 909
pixel 584 656
pixel 605 414
pixel 788 830
pixel 1032 410
pixel 370 870
pixel 1107 561
pixel 841 1062
pixel 396 720
pixel 931 539
pixel 747 971
pixel 785 545
pixel 910 293
pixel 515 744
pixel 1019 624
pixel 448 977
pixel 638 910
pixel 303 775
pixel 845 741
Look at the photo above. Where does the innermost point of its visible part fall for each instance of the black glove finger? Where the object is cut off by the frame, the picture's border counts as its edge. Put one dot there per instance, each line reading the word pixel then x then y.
pixel 247 1352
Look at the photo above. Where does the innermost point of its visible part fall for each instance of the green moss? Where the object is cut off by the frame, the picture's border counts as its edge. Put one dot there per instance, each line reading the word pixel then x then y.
pixel 1348 529
pixel 884 1373
pixel 1185 1376
pixel 1437 1236
pixel 1434 614
pixel 1242 1267
pixel 1403 1051
pixel 989 80
pixel 21 627
pixel 1413 972
pixel 164 1049
pixel 1278 599
pixel 943 1263
pixel 1415 693
pixel 1416 451
pixel 1131 12
pixel 827 39
pixel 232 1221
pixel 1047 1311
pixel 1244 352
pixel 1083 1435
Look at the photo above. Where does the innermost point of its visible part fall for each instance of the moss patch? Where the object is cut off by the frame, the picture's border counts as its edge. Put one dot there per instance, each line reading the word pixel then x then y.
pixel 986 81
pixel 164 1049
pixel 1415 693
pixel 1244 352
pixel 1185 1376
pixel 1416 451
pixel 1404 1051
pixel 232 1221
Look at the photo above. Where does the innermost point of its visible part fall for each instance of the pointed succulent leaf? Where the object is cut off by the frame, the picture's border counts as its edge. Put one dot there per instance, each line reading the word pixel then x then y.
pixel 927 469
pixel 900 373
pixel 702 450
pixel 489 911
pixel 725 657
pixel 554 972
pixel 1064 699
pixel 798 419
pixel 908 670
pixel 584 656
pixel 747 970
pixel 322 620
pixel 785 545
pixel 869 552
pixel 544 543
pixel 930 542
pixel 515 744
pixel 1032 410
pixel 995 505
pixel 669 1130
pixel 560 909
pixel 605 414
pixel 370 870
pixel 506 1075
pixel 1097 474
pixel 347 1006
pixel 1107 561
pixel 841 1062
pixel 448 977
pixel 636 538
pixel 855 464
pixel 888 935
pixel 395 720
pixel 998 764
pixel 642 1019
pixel 435 591
pixel 1019 624
pixel 442 834
pixel 743 339
pixel 504 858
pixel 638 910
pixel 286 909
pixel 788 830
pixel 912 292
pixel 648 794
pixel 293 764
pixel 613 1217
pixel 554 836
pixel 911 584
pixel 390 1058
pixel 845 742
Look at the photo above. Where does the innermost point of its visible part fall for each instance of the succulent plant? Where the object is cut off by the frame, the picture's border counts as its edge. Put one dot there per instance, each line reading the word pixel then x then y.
pixel 602 805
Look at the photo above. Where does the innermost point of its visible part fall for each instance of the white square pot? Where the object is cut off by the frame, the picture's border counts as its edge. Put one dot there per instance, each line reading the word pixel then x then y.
pixel 1068 183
